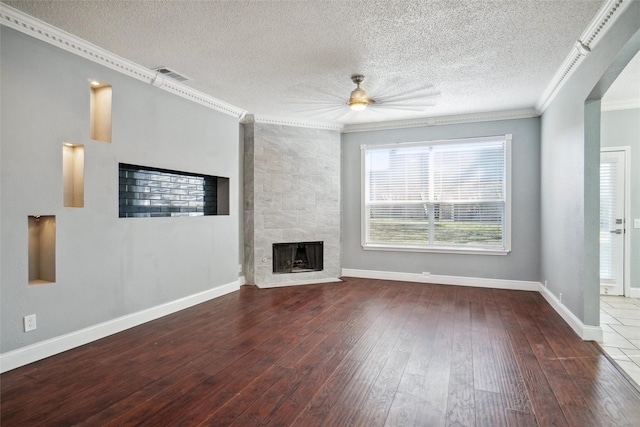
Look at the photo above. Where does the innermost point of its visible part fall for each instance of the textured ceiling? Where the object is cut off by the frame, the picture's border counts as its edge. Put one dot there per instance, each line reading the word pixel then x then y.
pixel 294 59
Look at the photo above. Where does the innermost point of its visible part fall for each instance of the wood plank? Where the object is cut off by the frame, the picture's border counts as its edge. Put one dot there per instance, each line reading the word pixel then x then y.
pixel 361 352
pixel 489 409
pixel 460 401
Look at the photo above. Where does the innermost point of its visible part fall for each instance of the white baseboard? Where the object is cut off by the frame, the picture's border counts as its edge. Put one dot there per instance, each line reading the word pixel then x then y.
pixel 478 282
pixel 586 332
pixel 242 281
pixel 634 292
pixel 302 282
pixel 31 353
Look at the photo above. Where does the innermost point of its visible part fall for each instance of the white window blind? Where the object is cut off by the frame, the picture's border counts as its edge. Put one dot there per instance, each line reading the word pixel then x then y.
pixel 609 255
pixel 440 195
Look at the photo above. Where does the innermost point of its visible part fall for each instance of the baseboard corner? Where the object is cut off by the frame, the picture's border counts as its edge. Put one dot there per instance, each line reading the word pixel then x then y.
pixel 585 332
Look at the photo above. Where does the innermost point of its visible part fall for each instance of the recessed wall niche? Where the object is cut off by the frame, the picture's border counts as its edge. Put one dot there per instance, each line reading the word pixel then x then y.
pixel 42 249
pixel 100 111
pixel 153 192
pixel 73 175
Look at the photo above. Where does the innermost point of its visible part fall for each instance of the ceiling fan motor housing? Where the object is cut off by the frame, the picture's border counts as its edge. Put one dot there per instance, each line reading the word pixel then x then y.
pixel 359 100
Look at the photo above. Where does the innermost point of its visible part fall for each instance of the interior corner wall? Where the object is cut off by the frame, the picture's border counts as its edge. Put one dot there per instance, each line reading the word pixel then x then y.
pixel 567 160
pixel 241 262
pixel 622 129
pixel 248 217
pixel 107 267
pixel 522 263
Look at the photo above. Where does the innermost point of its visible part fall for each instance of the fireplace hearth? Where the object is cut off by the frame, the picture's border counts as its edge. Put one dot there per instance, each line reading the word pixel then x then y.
pixel 297 257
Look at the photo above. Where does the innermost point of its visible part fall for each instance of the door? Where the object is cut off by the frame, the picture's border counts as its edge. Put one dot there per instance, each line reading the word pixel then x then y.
pixel 612 222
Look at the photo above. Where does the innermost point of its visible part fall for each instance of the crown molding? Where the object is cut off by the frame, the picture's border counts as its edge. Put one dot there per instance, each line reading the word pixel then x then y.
pixel 444 120
pixel 620 105
pixel 271 120
pixel 40 30
pixel 599 25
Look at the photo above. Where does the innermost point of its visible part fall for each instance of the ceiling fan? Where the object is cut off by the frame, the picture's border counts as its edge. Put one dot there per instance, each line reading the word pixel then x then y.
pixel 359 100
pixel 413 98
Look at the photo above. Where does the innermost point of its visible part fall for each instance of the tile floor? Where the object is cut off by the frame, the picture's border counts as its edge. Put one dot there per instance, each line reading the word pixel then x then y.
pixel 620 322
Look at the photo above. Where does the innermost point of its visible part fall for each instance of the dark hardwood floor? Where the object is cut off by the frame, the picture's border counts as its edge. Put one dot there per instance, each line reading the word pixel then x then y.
pixel 362 352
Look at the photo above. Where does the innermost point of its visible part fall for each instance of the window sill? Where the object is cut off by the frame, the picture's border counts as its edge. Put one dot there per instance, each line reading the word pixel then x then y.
pixel 439 250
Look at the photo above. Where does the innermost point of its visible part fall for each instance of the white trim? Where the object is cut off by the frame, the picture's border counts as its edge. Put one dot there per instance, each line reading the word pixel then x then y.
pixel 604 19
pixel 634 293
pixel 31 353
pixel 299 283
pixel 628 226
pixel 434 249
pixel 600 24
pixel 586 332
pixel 251 118
pixel 476 282
pixel 444 120
pixel 619 105
pixel 507 206
pixel 40 30
pixel 242 281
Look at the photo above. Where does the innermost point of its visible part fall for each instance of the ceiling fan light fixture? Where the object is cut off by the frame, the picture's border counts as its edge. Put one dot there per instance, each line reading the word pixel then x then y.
pixel 358 106
pixel 359 100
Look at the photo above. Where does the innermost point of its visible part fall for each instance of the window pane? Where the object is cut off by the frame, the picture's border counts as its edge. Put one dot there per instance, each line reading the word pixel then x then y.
pixel 398 224
pixel 468 224
pixel 445 194
pixel 465 172
pixel 608 254
pixel 398 174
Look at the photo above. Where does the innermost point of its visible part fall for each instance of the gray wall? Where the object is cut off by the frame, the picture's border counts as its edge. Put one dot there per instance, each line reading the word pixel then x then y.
pixel 570 170
pixel 522 263
pixel 106 267
pixel 618 129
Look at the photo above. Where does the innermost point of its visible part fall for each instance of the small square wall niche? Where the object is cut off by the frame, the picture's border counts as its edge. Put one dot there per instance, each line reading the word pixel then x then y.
pixel 42 249
pixel 100 111
pixel 73 175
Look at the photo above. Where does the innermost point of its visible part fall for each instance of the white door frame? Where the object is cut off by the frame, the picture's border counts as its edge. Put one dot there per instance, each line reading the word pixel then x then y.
pixel 628 291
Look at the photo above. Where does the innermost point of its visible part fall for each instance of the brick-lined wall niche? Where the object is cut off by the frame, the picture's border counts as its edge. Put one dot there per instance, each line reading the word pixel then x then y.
pixel 152 192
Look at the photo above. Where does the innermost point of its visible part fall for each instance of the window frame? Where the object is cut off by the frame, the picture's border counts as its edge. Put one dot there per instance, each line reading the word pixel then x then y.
pixel 477 250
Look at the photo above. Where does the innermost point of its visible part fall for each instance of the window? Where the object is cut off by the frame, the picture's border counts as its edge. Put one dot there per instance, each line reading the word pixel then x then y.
pixel 439 196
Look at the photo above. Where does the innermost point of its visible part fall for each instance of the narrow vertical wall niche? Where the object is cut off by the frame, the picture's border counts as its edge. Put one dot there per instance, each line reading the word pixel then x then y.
pixel 73 175
pixel 223 195
pixel 42 249
pixel 100 111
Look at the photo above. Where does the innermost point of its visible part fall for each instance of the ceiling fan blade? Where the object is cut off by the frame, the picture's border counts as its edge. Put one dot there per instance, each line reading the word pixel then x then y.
pixel 425 90
pixel 320 102
pixel 401 107
pixel 327 108
pixel 409 97
pixel 412 102
pixel 335 114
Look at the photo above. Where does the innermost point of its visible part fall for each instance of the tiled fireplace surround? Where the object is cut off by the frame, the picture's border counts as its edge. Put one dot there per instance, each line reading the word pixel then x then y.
pixel 291 194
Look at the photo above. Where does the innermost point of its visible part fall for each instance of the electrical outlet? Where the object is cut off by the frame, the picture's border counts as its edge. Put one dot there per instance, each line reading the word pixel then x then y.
pixel 239 268
pixel 29 322
pixel 426 273
pixel 636 223
pixel 545 284
pixel 560 298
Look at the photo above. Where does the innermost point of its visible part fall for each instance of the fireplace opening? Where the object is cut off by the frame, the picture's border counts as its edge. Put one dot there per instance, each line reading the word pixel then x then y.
pixel 299 257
